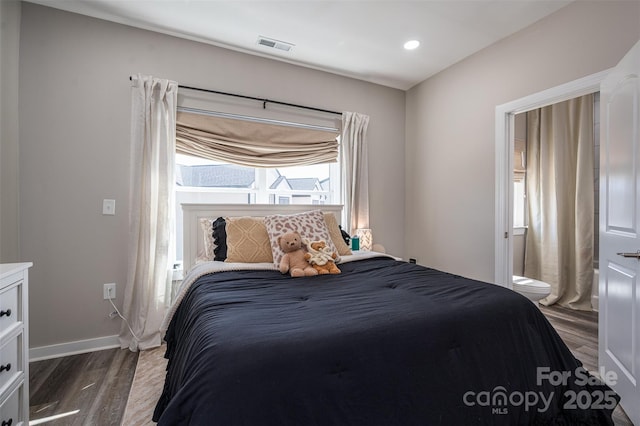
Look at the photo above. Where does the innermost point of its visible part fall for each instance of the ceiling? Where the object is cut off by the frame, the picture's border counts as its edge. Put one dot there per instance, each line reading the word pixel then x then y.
pixel 362 39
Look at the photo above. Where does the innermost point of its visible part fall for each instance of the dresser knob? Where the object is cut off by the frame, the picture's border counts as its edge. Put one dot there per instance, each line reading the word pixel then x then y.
pixel 5 367
pixel 7 422
pixel 7 313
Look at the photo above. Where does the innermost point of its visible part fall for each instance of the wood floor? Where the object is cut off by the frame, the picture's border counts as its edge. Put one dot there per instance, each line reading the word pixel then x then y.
pixel 95 386
pixel 86 389
pixel 579 331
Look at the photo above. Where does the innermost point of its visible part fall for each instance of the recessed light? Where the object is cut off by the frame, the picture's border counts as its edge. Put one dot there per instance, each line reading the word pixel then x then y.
pixel 411 44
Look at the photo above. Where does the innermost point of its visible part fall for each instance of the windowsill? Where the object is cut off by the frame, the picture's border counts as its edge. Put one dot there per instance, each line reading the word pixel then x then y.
pixel 519 230
pixel 178 274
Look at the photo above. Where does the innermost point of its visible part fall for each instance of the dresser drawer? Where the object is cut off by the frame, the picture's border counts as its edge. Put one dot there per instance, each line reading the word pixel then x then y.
pixel 10 410
pixel 10 306
pixel 10 360
pixel 14 343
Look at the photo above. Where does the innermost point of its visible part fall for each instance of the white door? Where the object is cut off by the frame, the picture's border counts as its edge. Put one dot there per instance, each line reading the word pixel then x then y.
pixel 619 319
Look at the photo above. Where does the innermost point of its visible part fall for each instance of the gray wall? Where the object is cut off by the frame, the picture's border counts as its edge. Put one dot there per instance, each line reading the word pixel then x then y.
pixel 450 146
pixel 9 147
pixel 74 142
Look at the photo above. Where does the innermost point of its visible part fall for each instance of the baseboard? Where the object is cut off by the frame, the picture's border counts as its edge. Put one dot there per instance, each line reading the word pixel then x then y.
pixel 73 348
pixel 594 302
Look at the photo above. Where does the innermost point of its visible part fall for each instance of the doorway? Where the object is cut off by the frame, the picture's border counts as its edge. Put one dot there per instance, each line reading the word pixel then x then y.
pixel 505 136
pixel 561 188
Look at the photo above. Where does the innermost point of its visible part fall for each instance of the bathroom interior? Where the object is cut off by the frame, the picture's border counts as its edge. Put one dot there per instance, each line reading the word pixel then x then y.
pixel 532 288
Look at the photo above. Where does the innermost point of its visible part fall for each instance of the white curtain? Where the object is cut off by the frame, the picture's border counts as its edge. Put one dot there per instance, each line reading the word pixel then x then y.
pixel 151 215
pixel 355 170
pixel 560 194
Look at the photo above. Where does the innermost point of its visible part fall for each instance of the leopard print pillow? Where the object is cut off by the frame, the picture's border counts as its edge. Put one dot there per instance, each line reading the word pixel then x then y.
pixel 310 225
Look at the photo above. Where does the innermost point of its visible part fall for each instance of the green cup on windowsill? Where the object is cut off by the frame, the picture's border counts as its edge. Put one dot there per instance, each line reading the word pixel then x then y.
pixel 355 243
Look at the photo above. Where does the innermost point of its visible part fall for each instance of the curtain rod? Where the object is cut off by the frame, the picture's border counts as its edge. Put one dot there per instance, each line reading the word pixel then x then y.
pixel 263 100
pixel 256 119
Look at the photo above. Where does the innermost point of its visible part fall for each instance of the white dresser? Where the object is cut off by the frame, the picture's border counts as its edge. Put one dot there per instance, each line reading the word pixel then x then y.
pixel 14 344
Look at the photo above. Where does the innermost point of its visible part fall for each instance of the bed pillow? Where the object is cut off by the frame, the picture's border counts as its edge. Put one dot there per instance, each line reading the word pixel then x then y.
pixel 310 225
pixel 206 225
pixel 247 240
pixel 216 245
pixel 336 234
pixel 219 239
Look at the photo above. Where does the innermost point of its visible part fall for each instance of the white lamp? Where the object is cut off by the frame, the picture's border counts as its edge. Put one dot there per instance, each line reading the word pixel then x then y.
pixel 366 238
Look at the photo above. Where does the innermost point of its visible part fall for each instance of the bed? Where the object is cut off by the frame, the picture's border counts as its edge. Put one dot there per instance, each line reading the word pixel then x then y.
pixel 385 342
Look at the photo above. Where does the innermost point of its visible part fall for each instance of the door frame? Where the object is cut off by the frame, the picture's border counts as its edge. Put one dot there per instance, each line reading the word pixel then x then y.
pixel 504 147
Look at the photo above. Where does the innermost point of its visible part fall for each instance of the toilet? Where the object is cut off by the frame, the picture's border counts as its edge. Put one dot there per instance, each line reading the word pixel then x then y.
pixel 533 290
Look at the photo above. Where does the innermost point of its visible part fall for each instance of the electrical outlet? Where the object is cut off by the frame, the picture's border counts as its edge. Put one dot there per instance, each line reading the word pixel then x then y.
pixel 109 291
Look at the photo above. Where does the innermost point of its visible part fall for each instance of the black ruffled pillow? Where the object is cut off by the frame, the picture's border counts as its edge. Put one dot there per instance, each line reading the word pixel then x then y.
pixel 220 239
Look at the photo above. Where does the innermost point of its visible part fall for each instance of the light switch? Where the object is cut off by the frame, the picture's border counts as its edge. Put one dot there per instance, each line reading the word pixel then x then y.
pixel 108 207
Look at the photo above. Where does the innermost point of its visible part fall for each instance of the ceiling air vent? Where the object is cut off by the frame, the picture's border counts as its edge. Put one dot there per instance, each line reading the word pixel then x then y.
pixel 274 44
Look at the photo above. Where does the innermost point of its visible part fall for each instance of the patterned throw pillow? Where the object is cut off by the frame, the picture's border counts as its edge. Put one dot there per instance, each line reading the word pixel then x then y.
pixel 247 240
pixel 310 225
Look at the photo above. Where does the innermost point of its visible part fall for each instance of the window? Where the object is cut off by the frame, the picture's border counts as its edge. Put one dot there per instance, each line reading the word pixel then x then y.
pixel 206 181
pixel 520 173
pixel 210 182
pixel 246 160
pixel 519 203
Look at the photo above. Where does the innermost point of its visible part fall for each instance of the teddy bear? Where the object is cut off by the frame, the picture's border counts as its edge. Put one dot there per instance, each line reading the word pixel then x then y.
pixel 294 260
pixel 321 257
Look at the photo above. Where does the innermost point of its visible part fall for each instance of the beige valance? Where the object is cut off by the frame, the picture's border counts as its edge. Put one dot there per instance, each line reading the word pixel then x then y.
pixel 253 144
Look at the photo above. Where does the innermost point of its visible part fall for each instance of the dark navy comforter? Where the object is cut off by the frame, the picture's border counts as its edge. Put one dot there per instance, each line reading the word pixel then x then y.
pixel 384 343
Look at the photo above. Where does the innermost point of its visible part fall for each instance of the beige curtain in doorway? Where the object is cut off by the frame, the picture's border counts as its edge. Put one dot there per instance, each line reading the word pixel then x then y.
pixel 560 185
